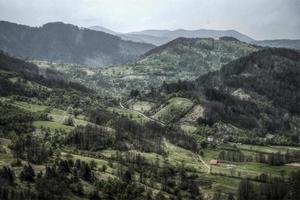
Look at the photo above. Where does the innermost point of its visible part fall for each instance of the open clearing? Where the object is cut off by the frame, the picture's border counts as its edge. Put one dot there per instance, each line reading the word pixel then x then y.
pixel 174 109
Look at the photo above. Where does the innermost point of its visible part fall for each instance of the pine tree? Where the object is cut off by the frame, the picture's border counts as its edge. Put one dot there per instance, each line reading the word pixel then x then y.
pixel 27 174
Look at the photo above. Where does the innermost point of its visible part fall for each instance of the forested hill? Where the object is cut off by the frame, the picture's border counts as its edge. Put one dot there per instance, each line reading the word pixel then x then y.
pixel 18 76
pixel 198 54
pixel 259 92
pixel 284 43
pixel 67 43
pixel 180 59
pixel 272 73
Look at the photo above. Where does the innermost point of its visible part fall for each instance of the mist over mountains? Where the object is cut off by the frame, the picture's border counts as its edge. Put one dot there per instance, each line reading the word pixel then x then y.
pixel 67 43
pixel 159 37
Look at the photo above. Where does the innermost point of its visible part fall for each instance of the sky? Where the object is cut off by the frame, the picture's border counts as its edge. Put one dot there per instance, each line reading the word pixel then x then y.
pixel 259 19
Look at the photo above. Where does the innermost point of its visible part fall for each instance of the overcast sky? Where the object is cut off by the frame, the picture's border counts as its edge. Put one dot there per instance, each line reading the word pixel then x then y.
pixel 260 19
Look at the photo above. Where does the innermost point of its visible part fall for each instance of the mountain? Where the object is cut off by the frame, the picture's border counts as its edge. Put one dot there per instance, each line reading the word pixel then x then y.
pixel 201 33
pixel 103 29
pixel 284 43
pixel 133 37
pixel 160 37
pixel 145 38
pixel 182 58
pixel 67 43
pixel 252 97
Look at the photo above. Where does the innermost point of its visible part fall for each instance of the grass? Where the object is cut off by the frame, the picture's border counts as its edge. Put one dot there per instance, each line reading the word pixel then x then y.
pixel 142 106
pixel 130 114
pixel 174 109
pixel 179 155
pixel 5 159
pixel 52 125
pixel 30 107
pixel 188 128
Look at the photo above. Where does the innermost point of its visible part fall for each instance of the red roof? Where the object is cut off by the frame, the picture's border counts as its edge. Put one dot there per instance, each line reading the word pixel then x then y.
pixel 214 162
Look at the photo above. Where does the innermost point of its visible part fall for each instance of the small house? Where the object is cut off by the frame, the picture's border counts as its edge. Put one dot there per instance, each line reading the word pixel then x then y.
pixel 210 138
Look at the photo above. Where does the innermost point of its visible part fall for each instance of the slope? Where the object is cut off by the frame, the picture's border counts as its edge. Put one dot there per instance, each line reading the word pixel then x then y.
pixel 201 33
pixel 182 58
pixel 254 99
pixel 67 43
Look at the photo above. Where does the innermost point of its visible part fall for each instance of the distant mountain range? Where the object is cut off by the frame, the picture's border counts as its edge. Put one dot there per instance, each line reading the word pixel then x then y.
pixel 284 43
pixel 67 43
pixel 159 37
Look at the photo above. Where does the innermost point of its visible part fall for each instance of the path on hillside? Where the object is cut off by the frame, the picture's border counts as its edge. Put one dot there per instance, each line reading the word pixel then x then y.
pixel 163 124
pixel 204 163
pixel 142 114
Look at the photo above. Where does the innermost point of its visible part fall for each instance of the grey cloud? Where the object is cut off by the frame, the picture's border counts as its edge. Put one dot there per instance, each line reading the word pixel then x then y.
pixel 260 19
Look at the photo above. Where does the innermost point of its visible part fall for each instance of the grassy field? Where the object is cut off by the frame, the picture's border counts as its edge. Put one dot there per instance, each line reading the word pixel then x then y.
pixel 142 106
pixel 174 109
pixel 57 115
pixel 188 128
pixel 135 116
pixel 30 107
pixel 52 125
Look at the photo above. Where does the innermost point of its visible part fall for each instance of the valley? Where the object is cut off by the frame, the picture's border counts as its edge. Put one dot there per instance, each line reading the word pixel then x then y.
pixel 195 118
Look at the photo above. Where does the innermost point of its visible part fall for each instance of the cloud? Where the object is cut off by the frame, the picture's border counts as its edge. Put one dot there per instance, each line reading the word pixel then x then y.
pixel 261 19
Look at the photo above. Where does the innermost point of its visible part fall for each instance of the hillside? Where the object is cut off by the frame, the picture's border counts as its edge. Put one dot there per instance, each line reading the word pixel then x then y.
pixel 160 37
pixel 290 44
pixel 133 37
pixel 182 58
pixel 19 77
pixel 67 43
pixel 201 33
pixel 61 141
pixel 254 99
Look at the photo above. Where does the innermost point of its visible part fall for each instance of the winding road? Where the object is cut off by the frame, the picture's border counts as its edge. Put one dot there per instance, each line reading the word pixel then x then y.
pixel 163 124
pixel 204 163
pixel 142 114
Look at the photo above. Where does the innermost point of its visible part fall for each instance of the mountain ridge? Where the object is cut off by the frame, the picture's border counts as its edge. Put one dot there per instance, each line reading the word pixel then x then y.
pixel 62 42
pixel 159 37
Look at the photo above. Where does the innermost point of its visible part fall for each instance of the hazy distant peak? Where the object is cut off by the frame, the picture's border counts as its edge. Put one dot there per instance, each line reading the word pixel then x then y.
pixel 200 33
pixel 103 29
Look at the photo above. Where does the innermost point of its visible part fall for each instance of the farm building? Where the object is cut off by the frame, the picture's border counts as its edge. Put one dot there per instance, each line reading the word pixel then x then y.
pixel 210 138
pixel 214 162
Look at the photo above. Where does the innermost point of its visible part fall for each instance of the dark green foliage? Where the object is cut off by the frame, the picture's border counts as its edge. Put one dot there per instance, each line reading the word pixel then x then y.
pixel 233 156
pixel 152 172
pixel 31 72
pixel 30 148
pixel 100 116
pixel 134 93
pixel 246 191
pixel 281 84
pixel 278 158
pixel 7 176
pixel 90 138
pixel 294 185
pixel 116 189
pixel 27 174
pixel 271 188
pixel 15 119
pixel 270 81
pixel 68 43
